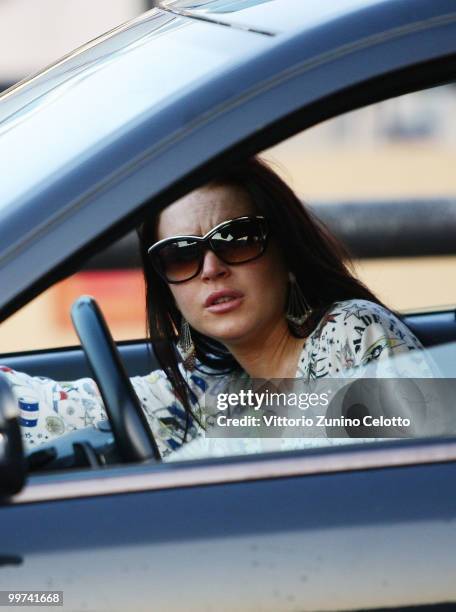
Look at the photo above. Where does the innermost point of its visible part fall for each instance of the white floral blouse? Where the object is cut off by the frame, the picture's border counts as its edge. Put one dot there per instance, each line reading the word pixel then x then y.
pixel 351 336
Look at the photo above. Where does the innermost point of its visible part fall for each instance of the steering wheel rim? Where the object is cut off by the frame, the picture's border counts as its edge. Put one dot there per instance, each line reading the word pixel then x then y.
pixel 132 434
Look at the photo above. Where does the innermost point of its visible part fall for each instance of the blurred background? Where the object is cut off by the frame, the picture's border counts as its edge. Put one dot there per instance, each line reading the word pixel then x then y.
pixel 398 152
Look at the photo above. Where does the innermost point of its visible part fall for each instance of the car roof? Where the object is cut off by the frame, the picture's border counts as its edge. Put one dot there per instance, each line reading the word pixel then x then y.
pixel 112 127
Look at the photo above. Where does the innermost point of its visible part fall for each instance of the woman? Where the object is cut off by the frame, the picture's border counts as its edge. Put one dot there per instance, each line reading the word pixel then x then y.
pixel 243 282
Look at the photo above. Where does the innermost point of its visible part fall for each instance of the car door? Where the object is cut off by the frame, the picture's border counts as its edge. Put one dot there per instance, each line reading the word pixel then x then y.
pixel 355 527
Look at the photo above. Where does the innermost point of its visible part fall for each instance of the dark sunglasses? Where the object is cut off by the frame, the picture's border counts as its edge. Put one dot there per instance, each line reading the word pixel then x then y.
pixel 236 241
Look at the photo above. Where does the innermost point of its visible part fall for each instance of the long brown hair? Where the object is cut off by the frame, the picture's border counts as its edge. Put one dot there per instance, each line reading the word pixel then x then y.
pixel 320 263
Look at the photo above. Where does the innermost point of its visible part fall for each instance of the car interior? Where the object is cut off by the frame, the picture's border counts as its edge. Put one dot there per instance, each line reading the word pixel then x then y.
pixel 432 328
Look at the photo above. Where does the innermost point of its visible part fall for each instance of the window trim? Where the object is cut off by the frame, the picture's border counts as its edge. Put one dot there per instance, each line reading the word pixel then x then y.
pixel 135 479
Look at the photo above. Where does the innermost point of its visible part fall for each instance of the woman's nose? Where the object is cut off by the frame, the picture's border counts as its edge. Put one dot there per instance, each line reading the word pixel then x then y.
pixel 213 267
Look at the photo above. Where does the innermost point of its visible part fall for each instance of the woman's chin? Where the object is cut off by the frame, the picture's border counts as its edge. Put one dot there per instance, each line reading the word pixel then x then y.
pixel 229 334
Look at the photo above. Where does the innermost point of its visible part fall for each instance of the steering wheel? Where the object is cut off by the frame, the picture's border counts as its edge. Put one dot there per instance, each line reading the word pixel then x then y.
pixel 132 434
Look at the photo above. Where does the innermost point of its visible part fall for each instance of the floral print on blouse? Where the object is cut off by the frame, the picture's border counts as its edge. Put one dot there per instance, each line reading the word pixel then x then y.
pixel 352 336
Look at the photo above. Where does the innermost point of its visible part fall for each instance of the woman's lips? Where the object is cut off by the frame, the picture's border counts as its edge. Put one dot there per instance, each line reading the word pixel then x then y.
pixel 232 304
pixel 231 300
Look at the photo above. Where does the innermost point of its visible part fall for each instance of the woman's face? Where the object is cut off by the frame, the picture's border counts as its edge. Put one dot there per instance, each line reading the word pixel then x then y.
pixel 260 284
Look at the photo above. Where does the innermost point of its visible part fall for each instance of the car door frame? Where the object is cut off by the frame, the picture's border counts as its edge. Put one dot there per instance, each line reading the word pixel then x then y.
pixel 401 66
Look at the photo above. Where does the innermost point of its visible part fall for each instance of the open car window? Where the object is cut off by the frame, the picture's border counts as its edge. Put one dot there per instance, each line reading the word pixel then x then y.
pixel 366 173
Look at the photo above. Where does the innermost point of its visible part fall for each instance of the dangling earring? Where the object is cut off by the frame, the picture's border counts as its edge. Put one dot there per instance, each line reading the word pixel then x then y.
pixel 186 346
pixel 298 309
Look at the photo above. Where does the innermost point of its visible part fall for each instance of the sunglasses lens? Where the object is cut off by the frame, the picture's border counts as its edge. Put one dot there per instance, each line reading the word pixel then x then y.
pixel 236 242
pixel 179 260
pixel 239 241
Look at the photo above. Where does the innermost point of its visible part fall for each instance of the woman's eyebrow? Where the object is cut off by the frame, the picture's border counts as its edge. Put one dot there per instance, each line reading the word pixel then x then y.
pixel 197 232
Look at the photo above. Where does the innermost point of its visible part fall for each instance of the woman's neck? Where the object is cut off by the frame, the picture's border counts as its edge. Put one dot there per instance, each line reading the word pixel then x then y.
pixel 273 354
